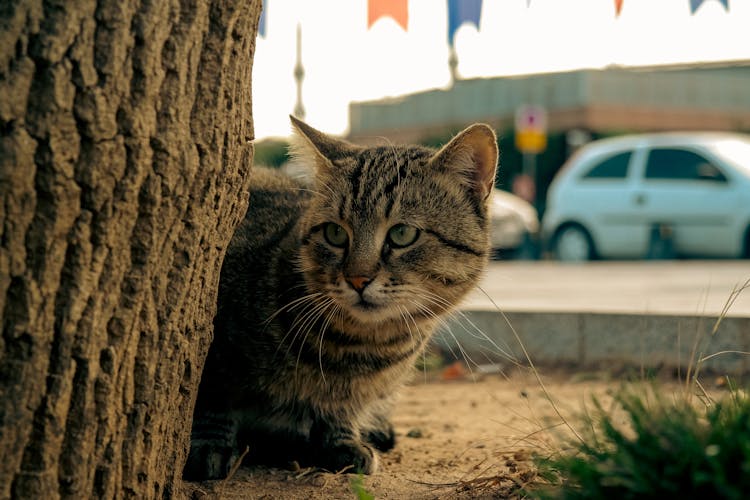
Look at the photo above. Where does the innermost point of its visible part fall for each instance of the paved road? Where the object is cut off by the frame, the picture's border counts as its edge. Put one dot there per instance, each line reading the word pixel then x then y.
pixel 646 287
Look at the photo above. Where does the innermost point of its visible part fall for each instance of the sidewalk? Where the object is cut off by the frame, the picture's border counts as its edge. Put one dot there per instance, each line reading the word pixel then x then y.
pixel 638 287
pixel 645 314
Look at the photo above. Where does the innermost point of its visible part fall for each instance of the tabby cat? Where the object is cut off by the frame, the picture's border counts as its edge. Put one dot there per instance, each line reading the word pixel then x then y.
pixel 329 293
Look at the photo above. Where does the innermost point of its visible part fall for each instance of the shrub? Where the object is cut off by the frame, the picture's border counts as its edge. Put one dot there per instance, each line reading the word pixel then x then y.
pixel 652 448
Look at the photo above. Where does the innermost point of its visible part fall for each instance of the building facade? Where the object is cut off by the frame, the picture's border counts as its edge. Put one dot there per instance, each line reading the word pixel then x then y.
pixel 709 96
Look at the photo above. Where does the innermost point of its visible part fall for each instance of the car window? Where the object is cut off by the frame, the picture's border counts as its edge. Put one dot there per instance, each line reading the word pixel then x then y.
pixel 680 164
pixel 735 151
pixel 614 167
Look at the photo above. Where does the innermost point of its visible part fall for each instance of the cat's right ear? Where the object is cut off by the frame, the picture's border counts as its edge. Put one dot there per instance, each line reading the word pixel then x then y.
pixel 473 155
pixel 316 147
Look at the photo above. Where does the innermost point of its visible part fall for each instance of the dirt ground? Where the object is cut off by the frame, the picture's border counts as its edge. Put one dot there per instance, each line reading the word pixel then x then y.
pixel 468 437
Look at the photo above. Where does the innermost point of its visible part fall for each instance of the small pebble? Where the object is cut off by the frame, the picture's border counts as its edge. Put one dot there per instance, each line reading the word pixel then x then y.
pixel 415 432
pixel 319 480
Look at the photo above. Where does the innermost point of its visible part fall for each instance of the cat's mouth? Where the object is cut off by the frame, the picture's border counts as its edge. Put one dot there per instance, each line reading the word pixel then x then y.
pixel 365 305
pixel 367 312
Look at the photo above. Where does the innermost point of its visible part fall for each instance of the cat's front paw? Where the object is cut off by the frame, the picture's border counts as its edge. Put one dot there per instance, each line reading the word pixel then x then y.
pixel 381 435
pixel 349 455
pixel 208 461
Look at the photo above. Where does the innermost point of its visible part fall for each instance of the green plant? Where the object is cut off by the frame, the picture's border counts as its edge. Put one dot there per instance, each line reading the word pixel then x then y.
pixel 357 484
pixel 271 152
pixel 648 447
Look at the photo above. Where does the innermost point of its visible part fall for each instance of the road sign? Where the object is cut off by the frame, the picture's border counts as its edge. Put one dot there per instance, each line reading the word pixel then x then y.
pixel 531 129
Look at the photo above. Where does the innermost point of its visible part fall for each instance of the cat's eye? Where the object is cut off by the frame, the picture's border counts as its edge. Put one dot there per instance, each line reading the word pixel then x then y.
pixel 402 235
pixel 335 235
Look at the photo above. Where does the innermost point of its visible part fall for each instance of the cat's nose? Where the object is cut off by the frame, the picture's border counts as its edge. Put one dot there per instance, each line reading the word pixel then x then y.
pixel 358 282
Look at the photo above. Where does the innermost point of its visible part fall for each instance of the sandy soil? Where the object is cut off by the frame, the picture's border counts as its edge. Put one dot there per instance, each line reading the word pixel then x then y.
pixel 471 437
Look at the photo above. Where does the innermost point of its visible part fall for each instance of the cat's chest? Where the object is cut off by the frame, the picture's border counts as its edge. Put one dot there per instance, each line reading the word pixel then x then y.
pixel 331 392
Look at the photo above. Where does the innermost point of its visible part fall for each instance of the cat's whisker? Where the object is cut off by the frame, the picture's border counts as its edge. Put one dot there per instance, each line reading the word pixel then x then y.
pixel 331 191
pixel 303 266
pixel 474 331
pixel 310 304
pixel 479 334
pixel 404 312
pixel 467 359
pixel 323 329
pixel 309 190
pixel 307 329
pixel 396 162
pixel 450 349
pixel 295 304
pixel 406 315
pixel 304 321
pixel 329 198
pixel 420 335
pixel 304 303
pixel 442 308
pixel 307 317
pixel 292 305
pixel 426 312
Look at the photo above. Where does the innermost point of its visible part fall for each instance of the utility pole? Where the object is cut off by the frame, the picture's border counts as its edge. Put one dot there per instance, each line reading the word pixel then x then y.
pixel 453 64
pixel 299 76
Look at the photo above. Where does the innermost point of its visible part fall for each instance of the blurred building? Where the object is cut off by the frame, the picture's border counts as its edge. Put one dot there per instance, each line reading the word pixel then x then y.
pixel 701 96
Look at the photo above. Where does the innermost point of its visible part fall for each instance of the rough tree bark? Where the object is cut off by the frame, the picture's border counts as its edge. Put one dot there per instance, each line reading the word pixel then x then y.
pixel 125 129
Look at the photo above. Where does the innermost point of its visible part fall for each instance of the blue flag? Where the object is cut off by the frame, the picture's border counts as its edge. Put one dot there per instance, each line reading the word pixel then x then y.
pixel 262 22
pixel 694 4
pixel 460 12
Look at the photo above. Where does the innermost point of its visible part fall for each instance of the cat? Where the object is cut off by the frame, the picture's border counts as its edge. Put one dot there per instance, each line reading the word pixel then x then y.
pixel 330 292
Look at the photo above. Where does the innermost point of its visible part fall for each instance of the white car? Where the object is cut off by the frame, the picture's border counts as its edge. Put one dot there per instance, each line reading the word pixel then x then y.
pixel 671 194
pixel 514 226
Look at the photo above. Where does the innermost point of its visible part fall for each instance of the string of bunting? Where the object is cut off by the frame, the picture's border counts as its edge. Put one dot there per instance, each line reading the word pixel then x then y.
pixel 459 13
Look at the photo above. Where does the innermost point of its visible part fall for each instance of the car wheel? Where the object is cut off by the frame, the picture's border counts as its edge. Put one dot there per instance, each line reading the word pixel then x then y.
pixel 574 244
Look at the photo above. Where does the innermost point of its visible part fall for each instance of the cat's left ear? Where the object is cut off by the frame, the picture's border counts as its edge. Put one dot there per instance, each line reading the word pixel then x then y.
pixel 473 155
pixel 322 149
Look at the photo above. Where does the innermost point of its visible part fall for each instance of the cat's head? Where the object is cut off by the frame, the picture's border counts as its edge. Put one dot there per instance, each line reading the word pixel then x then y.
pixel 394 232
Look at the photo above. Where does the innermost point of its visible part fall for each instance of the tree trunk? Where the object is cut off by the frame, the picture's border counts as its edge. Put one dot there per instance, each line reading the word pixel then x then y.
pixel 125 129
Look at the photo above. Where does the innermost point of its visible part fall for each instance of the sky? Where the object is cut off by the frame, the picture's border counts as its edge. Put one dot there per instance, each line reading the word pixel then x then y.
pixel 344 61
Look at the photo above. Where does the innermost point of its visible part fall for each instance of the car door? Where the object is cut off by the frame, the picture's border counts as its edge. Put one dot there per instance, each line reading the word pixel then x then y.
pixel 686 190
pixel 605 189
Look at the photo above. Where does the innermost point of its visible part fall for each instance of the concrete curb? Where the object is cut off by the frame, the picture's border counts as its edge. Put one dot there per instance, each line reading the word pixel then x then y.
pixel 596 340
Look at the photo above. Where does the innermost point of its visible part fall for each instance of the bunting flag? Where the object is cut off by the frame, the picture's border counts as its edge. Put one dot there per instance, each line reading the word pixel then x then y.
pixel 395 9
pixel 460 12
pixel 695 4
pixel 618 7
pixel 262 21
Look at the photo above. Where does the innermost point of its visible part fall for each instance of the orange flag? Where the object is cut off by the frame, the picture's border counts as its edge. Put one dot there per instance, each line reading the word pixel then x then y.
pixel 396 9
pixel 618 7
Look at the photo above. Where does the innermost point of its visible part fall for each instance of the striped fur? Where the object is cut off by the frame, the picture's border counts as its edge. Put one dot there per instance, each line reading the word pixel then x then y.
pixel 312 338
